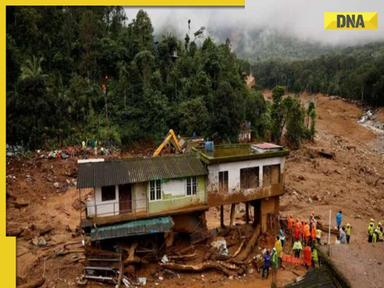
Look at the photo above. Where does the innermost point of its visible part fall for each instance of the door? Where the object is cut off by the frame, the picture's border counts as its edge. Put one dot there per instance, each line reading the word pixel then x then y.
pixel 125 198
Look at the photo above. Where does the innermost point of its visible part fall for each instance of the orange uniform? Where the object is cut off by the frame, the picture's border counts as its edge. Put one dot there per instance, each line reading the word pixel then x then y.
pixel 307 232
pixel 313 232
pixel 307 256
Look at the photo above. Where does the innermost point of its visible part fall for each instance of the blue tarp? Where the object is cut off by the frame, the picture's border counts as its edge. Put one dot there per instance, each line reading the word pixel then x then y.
pixel 132 228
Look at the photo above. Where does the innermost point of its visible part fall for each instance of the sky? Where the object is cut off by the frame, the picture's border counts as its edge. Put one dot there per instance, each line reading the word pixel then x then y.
pixel 299 18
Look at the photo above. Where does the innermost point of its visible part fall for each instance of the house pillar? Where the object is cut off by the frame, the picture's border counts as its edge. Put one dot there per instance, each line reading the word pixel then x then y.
pixel 232 215
pixel 222 216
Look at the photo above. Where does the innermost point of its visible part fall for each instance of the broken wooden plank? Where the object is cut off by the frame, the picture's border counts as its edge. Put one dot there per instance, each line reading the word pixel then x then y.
pixel 239 249
pixel 250 245
pixel 182 257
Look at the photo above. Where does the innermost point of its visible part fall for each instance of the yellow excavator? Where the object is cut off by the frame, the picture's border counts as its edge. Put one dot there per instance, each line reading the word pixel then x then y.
pixel 170 138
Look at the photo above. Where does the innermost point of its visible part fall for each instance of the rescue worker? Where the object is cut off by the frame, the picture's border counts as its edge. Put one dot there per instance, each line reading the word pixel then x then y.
pixel 379 234
pixel 374 236
pixel 342 235
pixel 278 248
pixel 297 247
pixel 371 230
pixel 302 230
pixel 297 229
pixel 297 233
pixel 307 233
pixel 307 252
pixel 266 265
pixel 339 219
pixel 313 232
pixel 348 231
pixel 312 219
pixel 274 264
pixel 315 257
pixel 318 236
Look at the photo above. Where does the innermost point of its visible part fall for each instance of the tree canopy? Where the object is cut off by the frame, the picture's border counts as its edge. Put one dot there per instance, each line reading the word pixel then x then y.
pixel 83 73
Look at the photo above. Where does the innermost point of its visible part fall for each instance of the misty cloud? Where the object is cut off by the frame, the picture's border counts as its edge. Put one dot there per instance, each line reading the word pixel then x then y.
pixel 298 18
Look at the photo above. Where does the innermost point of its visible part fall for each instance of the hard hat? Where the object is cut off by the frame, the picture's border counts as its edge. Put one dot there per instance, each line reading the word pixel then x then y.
pixel 348 224
pixel 379 223
pixel 372 220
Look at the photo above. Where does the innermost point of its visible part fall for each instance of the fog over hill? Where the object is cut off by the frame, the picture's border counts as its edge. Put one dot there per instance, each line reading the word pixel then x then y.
pixel 269 29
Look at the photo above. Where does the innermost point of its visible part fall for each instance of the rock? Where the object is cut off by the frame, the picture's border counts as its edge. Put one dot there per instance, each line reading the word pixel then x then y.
pixel 56 185
pixel 301 177
pixel 39 241
pixel 316 198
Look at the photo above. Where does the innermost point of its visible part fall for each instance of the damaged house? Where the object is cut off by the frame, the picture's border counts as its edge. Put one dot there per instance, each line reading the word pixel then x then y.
pixel 246 173
pixel 124 194
pixel 171 193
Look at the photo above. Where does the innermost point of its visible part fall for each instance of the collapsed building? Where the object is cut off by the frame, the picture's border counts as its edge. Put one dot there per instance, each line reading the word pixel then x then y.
pixel 141 196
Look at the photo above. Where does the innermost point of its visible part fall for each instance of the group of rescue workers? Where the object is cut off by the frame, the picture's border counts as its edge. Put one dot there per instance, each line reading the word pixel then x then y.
pixel 305 236
pixel 302 234
pixel 375 232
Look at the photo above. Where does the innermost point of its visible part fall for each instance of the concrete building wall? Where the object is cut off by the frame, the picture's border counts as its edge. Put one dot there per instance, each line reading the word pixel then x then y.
pixel 103 208
pixel 233 169
pixel 235 193
pixel 174 195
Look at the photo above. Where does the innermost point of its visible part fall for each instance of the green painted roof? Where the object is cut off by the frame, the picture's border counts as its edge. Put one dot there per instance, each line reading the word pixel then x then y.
pixel 237 152
pixel 132 228
pixel 135 170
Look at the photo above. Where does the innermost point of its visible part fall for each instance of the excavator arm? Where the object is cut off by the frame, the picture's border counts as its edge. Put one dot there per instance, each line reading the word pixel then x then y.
pixel 170 138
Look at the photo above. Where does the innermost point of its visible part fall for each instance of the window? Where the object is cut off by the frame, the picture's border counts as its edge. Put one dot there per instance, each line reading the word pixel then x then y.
pixel 249 178
pixel 155 190
pixel 271 175
pixel 191 186
pixel 108 193
pixel 223 182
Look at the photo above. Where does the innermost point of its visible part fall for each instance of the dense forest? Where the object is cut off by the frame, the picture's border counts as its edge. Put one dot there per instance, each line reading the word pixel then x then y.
pixel 89 73
pixel 355 73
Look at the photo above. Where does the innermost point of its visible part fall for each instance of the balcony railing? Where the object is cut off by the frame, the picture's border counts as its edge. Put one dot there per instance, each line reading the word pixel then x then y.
pixel 113 208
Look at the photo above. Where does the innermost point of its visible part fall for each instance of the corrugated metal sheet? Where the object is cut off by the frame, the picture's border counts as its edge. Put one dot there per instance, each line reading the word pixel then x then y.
pixel 135 170
pixel 138 227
